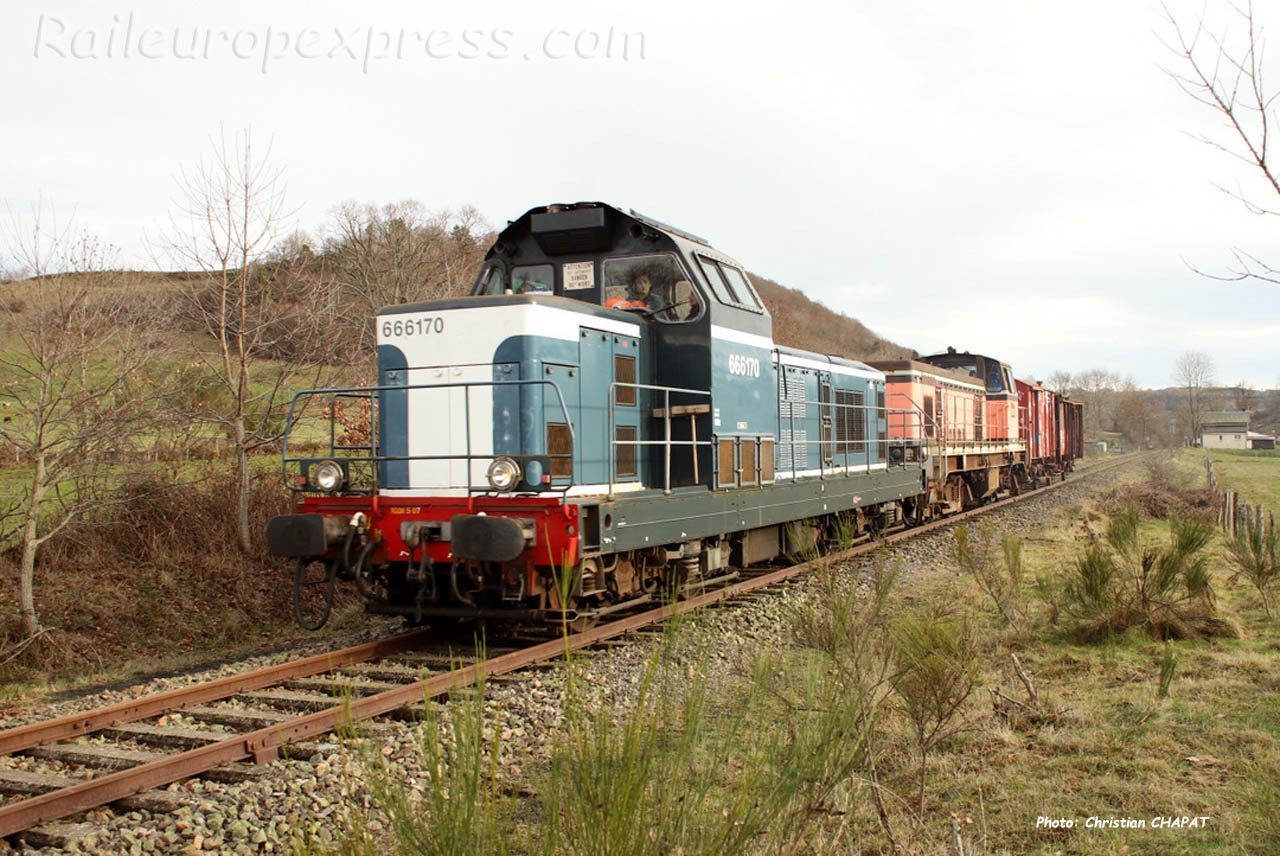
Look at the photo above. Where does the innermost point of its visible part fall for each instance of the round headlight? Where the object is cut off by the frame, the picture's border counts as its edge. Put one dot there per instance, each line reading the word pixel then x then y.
pixel 326 476
pixel 504 474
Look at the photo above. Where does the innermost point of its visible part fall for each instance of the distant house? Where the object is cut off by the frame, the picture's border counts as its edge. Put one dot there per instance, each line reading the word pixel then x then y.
pixel 1261 441
pixel 1227 429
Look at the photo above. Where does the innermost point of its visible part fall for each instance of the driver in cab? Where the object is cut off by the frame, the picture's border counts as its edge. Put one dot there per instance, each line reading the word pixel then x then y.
pixel 639 295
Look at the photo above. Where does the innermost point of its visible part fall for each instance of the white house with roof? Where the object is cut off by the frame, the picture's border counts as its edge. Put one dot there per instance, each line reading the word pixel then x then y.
pixel 1229 429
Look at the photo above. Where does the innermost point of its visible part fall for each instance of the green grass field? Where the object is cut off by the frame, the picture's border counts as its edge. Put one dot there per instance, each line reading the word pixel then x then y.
pixel 1254 475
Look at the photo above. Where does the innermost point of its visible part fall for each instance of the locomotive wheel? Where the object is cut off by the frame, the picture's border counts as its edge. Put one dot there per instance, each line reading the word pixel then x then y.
pixel 313 586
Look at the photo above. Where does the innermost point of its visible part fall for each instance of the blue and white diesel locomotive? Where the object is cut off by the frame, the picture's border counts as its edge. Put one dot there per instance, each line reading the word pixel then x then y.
pixel 605 417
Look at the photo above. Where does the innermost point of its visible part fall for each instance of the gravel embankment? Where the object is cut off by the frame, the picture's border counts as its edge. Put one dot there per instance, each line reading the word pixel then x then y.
pixel 313 798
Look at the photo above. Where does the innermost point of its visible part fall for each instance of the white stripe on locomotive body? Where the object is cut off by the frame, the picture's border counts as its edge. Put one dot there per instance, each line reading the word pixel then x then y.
pixel 741 337
pixel 463 351
pixel 829 472
pixel 472 334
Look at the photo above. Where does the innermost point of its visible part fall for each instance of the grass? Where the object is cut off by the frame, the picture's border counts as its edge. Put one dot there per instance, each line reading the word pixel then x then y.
pixel 1255 476
pixel 1116 748
pixel 1132 727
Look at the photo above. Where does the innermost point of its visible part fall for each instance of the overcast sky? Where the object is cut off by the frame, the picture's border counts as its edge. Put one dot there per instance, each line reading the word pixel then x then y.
pixel 1017 178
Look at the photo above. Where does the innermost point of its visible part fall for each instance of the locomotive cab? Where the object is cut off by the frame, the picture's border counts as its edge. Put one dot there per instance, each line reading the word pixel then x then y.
pixel 998 420
pixel 698 313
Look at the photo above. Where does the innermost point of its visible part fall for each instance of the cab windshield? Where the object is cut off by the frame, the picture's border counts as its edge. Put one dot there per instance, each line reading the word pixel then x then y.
pixel 655 285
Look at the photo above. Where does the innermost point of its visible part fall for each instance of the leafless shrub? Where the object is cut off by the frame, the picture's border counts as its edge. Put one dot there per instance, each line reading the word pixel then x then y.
pixel 157 569
pixel 936 669
pixel 999 578
pixel 1020 715
pixel 71 386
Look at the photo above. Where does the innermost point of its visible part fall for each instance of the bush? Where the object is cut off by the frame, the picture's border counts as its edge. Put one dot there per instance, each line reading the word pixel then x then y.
pixel 1255 552
pixel 999 580
pixel 153 571
pixel 936 669
pixel 1166 494
pixel 1119 583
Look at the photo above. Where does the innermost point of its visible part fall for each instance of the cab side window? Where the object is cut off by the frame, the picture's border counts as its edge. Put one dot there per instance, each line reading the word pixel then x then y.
pixel 730 285
pixel 492 281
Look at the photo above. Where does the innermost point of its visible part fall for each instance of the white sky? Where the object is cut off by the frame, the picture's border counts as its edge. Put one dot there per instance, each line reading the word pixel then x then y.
pixel 1009 177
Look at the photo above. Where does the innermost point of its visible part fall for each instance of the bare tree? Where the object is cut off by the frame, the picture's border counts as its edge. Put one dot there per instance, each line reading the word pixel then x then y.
pixel 1096 387
pixel 1269 411
pixel 400 253
pixel 1135 413
pixel 1194 373
pixel 73 391
pixel 1060 381
pixel 230 215
pixel 1223 70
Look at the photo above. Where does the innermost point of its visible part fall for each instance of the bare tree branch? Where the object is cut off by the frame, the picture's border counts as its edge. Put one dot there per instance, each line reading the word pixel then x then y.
pixel 253 306
pixel 72 387
pixel 1226 75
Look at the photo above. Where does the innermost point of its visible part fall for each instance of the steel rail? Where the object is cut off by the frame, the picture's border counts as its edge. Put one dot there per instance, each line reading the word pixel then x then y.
pixel 263 745
pixel 132 710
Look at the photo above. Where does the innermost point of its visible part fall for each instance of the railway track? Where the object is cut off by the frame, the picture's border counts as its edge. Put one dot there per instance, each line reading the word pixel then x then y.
pixel 244 721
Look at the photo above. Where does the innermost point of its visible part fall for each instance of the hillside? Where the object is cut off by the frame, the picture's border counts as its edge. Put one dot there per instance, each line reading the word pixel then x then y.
pixel 799 322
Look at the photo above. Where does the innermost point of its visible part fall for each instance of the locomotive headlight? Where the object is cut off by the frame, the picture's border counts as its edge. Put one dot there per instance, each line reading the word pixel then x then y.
pixel 327 476
pixel 504 474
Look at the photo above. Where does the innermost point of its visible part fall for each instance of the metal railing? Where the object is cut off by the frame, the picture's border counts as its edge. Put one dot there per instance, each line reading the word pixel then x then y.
pixel 945 435
pixel 667 442
pixel 917 430
pixel 371 395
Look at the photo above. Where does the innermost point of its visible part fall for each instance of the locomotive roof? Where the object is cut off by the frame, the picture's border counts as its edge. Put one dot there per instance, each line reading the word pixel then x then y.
pixel 571 233
pixel 898 367
pixel 952 355
pixel 630 213
pixel 831 359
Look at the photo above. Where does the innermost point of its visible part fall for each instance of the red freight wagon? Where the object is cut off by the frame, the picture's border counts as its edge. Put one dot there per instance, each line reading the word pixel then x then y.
pixel 1050 426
